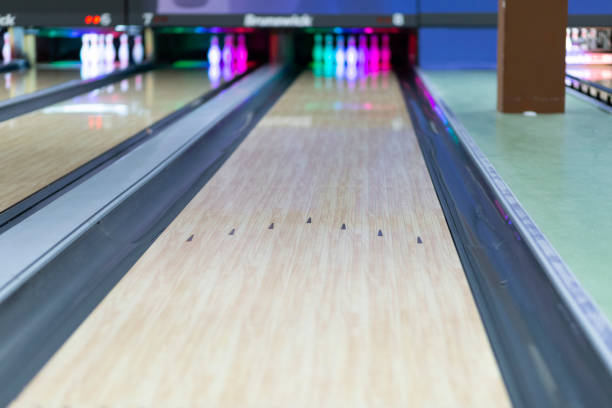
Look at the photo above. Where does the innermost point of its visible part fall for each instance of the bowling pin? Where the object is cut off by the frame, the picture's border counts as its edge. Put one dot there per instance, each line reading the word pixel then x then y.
pixel 362 51
pixel 374 56
pixel 340 52
pixel 568 39
pixel 85 69
pixel 228 49
pixel 91 69
pixel 575 32
pixel 351 51
pixel 86 56
pixel 583 38
pixel 592 39
pixel 6 48
pixel 109 50
pixel 328 51
pixel 93 49
pixel 101 50
pixel 228 72
pixel 214 74
pixel 214 52
pixel 385 52
pixel 124 51
pixel 317 49
pixel 339 72
pixel 351 75
pixel 241 50
pixel 138 50
pixel 84 53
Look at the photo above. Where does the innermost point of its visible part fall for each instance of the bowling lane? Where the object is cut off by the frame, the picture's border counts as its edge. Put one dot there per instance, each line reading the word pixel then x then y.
pixel 599 74
pixel 19 83
pixel 314 269
pixel 42 146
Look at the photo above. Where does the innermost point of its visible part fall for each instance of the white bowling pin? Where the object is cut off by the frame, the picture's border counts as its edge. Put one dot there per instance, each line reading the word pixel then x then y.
pixel 214 74
pixel 84 70
pixel 124 51
pixel 340 50
pixel 339 72
pixel 93 49
pixel 109 50
pixel 214 52
pixel 138 50
pixel 6 48
pixel 84 53
pixel 101 50
pixel 351 51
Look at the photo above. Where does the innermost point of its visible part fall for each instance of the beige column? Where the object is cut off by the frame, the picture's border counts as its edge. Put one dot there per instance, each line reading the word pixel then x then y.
pixel 29 48
pixel 149 42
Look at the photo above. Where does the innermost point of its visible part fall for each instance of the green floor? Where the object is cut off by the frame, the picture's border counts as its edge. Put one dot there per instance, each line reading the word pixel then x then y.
pixel 558 166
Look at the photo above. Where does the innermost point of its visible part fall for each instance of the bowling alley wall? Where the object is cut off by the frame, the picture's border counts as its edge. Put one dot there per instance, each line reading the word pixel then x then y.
pixel 192 43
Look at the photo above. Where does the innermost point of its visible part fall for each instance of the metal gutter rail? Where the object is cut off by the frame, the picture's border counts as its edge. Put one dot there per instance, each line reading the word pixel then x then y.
pixel 553 344
pixel 22 209
pixel 60 262
pixel 23 104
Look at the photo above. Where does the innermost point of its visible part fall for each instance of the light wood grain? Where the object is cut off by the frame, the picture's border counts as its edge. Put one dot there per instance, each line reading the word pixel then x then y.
pixel 42 146
pixel 301 315
pixel 19 83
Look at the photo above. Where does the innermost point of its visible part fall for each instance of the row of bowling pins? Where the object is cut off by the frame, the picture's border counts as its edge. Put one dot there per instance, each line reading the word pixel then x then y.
pixel 230 54
pixel 588 39
pixel 352 54
pixel 7 51
pixel 99 49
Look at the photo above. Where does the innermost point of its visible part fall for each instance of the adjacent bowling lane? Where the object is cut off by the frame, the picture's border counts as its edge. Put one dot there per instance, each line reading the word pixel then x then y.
pixel 42 146
pixel 17 83
pixel 315 269
pixel 599 74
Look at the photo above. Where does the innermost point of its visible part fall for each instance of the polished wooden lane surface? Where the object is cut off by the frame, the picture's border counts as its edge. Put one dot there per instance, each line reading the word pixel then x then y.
pixel 40 147
pixel 257 296
pixel 19 83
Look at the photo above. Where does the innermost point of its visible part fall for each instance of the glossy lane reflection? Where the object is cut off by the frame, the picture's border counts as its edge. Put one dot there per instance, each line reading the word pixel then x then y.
pixel 42 146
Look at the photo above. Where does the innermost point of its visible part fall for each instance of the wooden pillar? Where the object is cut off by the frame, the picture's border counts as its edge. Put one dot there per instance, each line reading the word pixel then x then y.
pixel 531 56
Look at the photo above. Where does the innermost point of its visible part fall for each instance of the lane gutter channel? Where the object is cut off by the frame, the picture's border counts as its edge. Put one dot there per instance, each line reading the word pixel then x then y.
pixel 552 343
